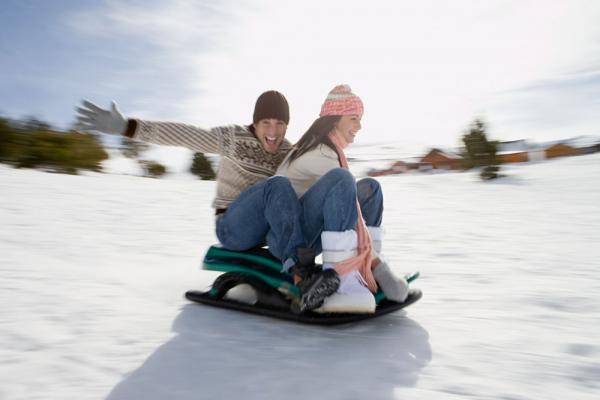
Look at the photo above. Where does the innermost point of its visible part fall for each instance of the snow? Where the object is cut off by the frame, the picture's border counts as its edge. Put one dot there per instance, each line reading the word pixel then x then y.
pixel 93 269
pixel 117 163
pixel 177 161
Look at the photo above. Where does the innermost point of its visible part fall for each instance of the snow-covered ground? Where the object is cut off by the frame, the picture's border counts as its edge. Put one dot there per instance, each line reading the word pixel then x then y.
pixel 93 270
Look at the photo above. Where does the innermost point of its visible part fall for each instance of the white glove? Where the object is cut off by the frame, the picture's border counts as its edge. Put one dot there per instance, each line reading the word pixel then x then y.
pixel 90 117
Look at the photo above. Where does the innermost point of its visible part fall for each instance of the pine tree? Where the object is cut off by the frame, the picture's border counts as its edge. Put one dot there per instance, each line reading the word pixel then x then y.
pixel 479 151
pixel 6 140
pixel 202 167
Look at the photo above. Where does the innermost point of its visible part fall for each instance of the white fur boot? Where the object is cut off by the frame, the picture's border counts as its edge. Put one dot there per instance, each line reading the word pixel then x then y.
pixel 352 296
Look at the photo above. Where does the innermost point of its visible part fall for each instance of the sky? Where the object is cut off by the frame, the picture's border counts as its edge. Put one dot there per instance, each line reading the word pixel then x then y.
pixel 424 69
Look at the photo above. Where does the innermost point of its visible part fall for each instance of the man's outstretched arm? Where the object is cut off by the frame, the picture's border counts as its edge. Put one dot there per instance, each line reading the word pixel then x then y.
pixel 91 117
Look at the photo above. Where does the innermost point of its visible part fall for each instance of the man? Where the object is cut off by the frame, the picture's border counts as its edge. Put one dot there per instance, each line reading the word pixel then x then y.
pixel 252 206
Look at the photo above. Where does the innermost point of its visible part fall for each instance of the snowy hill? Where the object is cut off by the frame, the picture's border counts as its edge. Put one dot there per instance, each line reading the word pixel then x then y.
pixel 93 269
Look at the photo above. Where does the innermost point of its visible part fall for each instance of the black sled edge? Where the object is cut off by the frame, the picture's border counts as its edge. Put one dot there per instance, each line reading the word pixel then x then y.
pixel 383 308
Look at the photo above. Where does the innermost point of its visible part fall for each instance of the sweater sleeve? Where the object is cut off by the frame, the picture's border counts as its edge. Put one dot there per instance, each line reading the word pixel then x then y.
pixel 217 140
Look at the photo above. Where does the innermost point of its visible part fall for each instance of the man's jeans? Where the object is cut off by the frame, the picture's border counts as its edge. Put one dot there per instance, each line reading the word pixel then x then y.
pixel 268 212
pixel 330 205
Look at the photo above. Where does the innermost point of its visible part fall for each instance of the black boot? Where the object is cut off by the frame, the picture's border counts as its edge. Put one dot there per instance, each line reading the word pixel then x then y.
pixel 315 284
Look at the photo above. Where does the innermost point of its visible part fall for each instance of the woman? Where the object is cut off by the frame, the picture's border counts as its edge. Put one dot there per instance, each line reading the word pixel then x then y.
pixel 341 217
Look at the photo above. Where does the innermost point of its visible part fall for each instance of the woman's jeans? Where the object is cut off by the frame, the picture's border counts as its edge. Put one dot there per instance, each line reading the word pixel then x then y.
pixel 330 205
pixel 268 212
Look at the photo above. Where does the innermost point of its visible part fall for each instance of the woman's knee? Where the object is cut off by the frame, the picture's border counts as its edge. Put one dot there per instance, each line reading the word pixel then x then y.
pixel 342 182
pixel 340 173
pixel 340 176
pixel 368 187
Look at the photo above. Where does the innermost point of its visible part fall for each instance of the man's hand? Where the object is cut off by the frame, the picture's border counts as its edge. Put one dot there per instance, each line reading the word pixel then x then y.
pixel 90 117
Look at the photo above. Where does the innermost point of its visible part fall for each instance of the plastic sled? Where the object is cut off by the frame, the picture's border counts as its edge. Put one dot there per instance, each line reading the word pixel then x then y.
pixel 275 290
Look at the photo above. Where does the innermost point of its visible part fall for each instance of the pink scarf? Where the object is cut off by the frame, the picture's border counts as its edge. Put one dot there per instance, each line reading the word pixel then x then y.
pixel 362 261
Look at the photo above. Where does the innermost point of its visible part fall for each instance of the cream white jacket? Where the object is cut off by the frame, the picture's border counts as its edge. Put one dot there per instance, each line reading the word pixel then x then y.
pixel 306 170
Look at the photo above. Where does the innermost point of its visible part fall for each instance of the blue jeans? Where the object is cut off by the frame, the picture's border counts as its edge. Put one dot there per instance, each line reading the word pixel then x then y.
pixel 266 213
pixel 330 205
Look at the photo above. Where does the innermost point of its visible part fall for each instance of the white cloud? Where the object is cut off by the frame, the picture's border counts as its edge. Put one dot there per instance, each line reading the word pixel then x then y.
pixel 424 69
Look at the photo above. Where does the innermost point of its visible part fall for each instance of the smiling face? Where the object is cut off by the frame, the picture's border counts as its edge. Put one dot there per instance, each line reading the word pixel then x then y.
pixel 348 126
pixel 270 133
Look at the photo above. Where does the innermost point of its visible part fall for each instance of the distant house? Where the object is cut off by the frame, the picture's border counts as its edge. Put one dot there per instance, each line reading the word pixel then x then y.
pixel 379 172
pixel 560 150
pixel 439 159
pixel 537 154
pixel 399 167
pixel 424 167
pixel 513 157
pixel 514 151
pixel 584 144
pixel 589 149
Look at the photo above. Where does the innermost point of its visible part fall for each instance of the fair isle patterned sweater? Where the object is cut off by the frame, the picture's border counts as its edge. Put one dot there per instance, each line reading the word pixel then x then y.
pixel 243 163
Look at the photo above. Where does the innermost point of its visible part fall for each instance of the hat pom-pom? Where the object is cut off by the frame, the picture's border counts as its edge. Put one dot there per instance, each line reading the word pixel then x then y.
pixel 342 89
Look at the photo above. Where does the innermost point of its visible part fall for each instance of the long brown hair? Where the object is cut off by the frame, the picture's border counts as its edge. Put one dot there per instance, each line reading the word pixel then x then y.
pixel 317 134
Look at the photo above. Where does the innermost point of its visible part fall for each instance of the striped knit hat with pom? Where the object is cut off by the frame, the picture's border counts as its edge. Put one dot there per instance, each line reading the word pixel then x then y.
pixel 341 101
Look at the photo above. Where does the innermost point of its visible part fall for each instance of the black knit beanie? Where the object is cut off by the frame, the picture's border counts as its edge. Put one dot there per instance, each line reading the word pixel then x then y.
pixel 271 104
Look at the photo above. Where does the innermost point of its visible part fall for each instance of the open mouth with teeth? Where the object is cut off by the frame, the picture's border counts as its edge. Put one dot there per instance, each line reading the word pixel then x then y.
pixel 271 142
